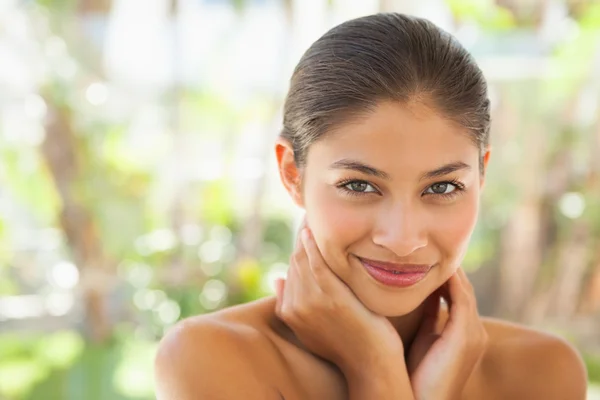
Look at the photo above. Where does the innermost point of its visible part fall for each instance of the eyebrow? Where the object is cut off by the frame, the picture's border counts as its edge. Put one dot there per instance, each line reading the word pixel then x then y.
pixel 369 170
pixel 445 170
pixel 360 167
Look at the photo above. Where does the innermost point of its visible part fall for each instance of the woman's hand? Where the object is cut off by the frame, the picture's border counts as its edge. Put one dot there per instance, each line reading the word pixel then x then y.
pixel 440 364
pixel 332 323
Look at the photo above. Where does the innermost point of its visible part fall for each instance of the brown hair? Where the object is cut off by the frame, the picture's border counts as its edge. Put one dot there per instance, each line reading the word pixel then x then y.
pixel 361 62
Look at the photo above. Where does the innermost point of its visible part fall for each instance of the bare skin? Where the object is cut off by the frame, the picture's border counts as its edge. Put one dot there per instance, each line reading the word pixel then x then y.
pixel 247 352
pixel 400 185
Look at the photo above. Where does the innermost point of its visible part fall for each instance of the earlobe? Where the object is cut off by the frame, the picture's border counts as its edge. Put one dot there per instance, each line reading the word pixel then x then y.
pixel 288 171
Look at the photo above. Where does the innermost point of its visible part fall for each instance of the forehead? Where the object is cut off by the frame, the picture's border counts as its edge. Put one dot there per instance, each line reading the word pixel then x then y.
pixel 396 135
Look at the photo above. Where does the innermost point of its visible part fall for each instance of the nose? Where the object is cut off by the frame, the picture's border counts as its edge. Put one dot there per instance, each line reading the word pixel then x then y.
pixel 400 230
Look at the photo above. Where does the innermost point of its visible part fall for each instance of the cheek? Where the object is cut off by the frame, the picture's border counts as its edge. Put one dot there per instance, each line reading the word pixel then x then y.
pixel 336 222
pixel 452 230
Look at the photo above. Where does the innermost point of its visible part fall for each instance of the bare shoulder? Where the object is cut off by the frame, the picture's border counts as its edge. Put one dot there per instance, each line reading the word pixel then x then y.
pixel 524 363
pixel 216 356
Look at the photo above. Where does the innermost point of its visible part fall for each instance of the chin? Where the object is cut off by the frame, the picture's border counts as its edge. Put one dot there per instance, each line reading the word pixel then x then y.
pixel 396 302
pixel 393 305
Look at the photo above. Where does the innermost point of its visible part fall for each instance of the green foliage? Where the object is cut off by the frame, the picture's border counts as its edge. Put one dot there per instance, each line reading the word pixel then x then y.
pixel 28 360
pixel 487 14
pixel 590 18
pixel 62 366
pixel 20 375
pixel 57 6
pixel 481 249
pixel 134 375
pixel 216 203
pixel 592 363
pixel 208 112
pixel 61 349
pixel 278 233
pixel 37 192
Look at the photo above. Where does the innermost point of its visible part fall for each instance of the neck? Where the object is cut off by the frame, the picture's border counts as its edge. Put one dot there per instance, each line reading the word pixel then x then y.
pixel 407 326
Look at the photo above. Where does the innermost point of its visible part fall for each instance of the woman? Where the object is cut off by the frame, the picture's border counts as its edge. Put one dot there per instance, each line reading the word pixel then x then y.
pixel 385 146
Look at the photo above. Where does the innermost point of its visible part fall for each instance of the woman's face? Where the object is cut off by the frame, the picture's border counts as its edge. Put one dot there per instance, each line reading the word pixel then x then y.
pixel 401 185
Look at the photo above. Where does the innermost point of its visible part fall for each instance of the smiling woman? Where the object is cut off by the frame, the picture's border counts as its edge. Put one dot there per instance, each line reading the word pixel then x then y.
pixel 385 146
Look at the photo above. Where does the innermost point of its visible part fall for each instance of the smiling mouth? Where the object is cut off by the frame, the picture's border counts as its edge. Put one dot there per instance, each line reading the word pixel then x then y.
pixel 398 275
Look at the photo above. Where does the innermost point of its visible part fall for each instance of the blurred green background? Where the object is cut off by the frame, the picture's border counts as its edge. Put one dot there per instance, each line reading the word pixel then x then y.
pixel 138 185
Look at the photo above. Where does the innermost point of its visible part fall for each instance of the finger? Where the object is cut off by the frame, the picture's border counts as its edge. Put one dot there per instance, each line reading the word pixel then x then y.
pixel 279 290
pixel 301 277
pixel 303 224
pixel 295 288
pixel 320 271
pixel 445 293
pixel 470 290
pixel 451 290
pixel 279 287
pixel 431 310
pixel 460 309
pixel 299 234
pixel 456 289
pixel 465 279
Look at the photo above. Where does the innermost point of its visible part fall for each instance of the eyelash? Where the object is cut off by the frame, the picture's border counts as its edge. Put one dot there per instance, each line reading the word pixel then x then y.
pixel 459 188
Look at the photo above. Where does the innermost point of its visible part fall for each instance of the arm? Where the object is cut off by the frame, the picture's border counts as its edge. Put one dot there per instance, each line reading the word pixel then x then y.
pixel 206 359
pixel 384 382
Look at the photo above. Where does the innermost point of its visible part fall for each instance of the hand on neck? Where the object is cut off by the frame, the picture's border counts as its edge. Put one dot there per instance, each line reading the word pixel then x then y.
pixel 408 325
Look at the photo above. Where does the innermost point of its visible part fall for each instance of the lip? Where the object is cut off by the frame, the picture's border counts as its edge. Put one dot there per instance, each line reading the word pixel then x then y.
pixel 397 275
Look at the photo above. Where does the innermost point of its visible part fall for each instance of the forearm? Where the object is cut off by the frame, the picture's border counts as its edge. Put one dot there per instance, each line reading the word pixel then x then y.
pixel 376 388
pixel 384 383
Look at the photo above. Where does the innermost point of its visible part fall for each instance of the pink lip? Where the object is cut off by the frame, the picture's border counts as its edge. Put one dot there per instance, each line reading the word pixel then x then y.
pixel 398 275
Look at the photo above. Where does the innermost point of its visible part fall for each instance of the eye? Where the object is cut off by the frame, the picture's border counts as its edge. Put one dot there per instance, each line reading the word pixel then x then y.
pixel 359 186
pixel 446 190
pixel 354 187
pixel 441 188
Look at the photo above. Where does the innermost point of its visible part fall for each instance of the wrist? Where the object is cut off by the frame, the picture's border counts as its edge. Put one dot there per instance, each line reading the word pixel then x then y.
pixel 376 360
pixel 376 388
pixel 385 379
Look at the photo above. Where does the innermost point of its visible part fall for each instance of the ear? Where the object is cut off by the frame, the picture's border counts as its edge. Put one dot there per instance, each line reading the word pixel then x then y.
pixel 289 173
pixel 486 160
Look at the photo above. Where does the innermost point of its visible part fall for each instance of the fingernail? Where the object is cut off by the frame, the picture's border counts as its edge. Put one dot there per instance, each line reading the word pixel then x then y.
pixel 279 286
pixel 305 234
